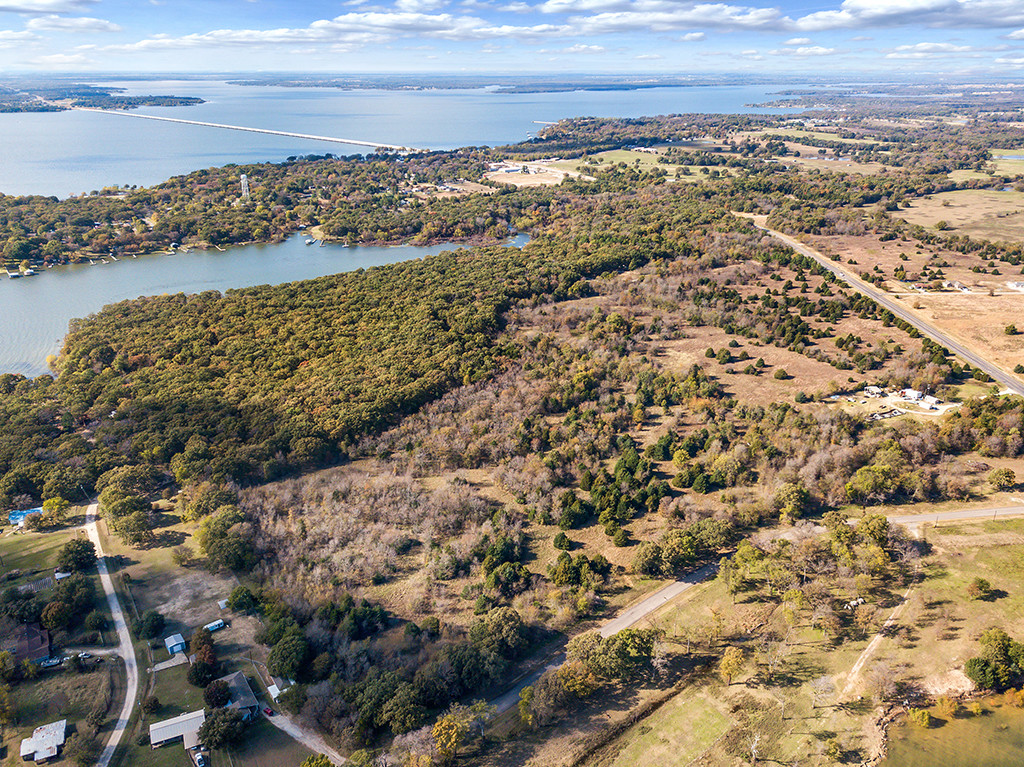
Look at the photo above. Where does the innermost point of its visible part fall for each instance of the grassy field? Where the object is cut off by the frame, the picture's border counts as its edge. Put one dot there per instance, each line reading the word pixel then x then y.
pixel 1008 163
pixel 679 732
pixel 640 160
pixel 264 746
pixel 813 134
pixel 33 553
pixel 712 723
pixel 56 695
pixel 982 213
pixel 996 738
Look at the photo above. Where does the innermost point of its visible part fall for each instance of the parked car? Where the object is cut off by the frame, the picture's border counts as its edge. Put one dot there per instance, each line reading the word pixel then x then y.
pixel 51 662
pixel 85 655
pixel 201 760
pixel 268 711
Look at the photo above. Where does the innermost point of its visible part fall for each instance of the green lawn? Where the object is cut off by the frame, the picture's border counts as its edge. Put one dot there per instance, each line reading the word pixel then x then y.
pixel 679 732
pixel 175 694
pixel 33 553
pixel 264 746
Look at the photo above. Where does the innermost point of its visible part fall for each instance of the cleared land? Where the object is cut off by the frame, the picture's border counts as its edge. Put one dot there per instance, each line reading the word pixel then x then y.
pixel 980 320
pixel 711 723
pixel 982 213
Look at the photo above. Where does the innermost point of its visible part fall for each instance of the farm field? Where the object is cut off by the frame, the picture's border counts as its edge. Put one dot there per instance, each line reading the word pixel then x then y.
pixel 987 214
pixel 980 321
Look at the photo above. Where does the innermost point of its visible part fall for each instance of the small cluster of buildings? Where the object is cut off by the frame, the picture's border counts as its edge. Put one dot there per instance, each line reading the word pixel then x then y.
pixel 185 727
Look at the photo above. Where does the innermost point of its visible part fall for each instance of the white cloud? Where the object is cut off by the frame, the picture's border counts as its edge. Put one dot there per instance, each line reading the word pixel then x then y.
pixel 357 28
pixel 45 6
pixel 798 41
pixel 417 6
pixel 648 56
pixel 704 15
pixel 1017 61
pixel 1018 35
pixel 71 24
pixel 804 51
pixel 933 48
pixel 933 13
pixel 693 37
pixel 9 39
pixel 62 61
pixel 577 48
pixel 927 50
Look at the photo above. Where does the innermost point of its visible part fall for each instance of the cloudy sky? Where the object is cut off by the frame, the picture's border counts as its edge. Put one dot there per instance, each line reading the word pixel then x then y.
pixel 671 36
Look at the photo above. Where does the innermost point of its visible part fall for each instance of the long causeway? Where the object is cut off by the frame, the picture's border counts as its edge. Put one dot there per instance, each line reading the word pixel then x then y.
pixel 331 139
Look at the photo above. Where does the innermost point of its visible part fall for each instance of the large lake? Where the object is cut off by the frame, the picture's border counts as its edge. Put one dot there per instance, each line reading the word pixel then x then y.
pixel 64 153
pixel 36 310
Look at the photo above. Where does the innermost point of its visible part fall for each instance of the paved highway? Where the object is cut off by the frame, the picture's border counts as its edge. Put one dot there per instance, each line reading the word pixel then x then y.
pixel 897 308
pixel 958 515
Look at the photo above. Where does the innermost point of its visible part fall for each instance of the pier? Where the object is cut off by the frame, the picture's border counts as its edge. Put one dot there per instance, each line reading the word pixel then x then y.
pixel 330 139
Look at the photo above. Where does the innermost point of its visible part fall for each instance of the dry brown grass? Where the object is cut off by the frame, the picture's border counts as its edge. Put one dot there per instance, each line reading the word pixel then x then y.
pixel 980 321
pixel 990 215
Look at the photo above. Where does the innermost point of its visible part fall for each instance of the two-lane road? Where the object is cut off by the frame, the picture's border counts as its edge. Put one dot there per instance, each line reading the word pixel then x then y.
pixel 896 307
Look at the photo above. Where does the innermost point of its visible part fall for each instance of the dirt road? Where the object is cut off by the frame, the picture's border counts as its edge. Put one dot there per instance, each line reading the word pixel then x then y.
pixel 125 648
pixel 310 740
pixel 629 617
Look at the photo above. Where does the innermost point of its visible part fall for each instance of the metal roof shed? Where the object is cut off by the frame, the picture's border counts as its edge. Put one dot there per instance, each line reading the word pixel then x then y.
pixel 172 729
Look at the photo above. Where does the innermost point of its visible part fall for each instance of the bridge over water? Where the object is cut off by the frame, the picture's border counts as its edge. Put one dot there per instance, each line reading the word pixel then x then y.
pixel 353 141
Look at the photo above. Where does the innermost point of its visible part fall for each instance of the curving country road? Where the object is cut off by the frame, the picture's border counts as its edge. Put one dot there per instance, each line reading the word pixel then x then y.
pixel 125 648
pixel 897 308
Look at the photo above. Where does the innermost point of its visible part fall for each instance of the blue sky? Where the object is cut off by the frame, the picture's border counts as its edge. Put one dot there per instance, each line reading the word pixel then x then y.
pixel 668 36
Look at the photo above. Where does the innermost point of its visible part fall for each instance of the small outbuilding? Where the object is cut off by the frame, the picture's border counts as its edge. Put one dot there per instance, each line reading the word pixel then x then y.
pixel 16 517
pixel 177 728
pixel 45 743
pixel 175 643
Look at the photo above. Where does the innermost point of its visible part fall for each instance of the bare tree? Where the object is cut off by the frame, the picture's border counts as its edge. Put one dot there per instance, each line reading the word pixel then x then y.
pixel 754 744
pixel 822 690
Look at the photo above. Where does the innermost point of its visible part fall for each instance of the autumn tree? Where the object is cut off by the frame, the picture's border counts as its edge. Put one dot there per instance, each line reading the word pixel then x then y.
pixel 730 664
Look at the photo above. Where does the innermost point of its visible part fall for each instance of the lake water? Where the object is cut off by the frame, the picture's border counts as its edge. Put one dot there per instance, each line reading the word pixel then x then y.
pixel 64 153
pixel 36 310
